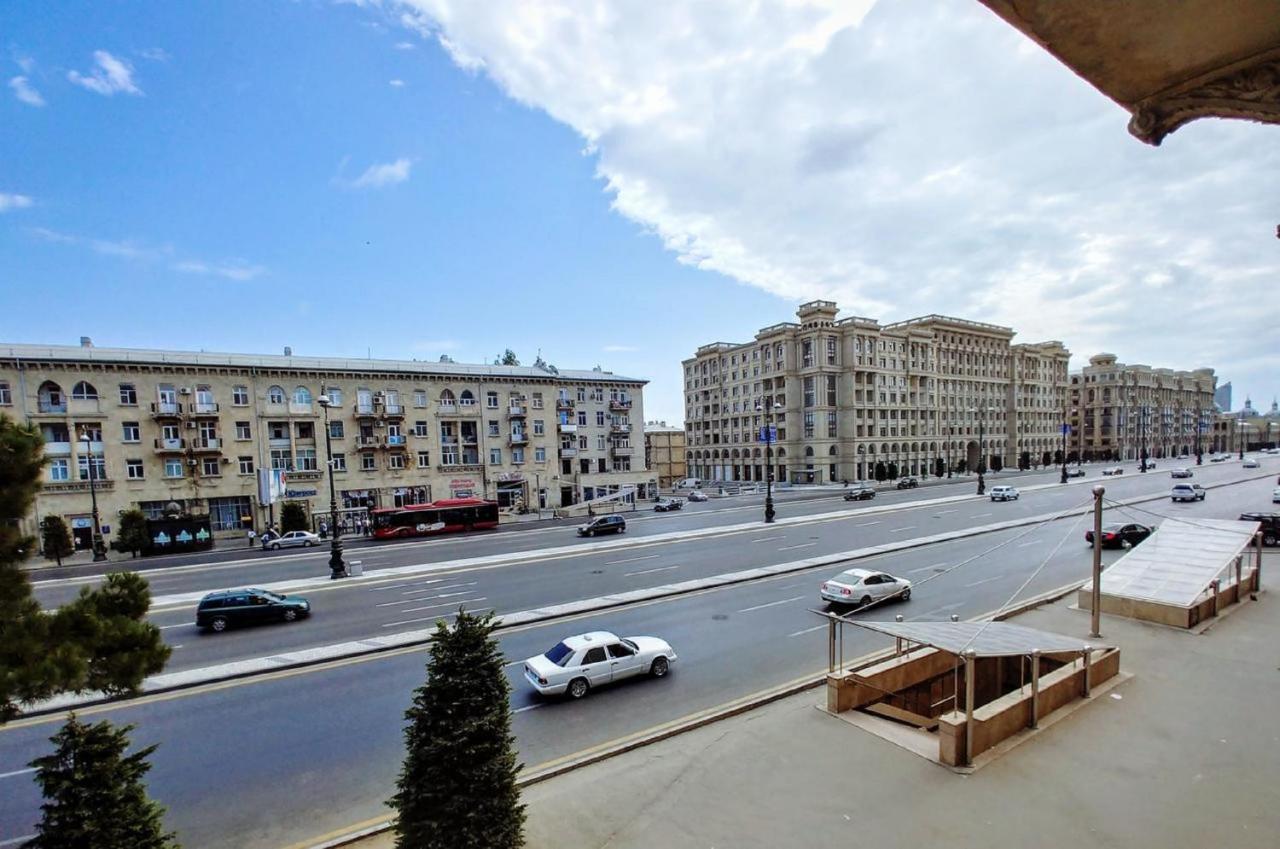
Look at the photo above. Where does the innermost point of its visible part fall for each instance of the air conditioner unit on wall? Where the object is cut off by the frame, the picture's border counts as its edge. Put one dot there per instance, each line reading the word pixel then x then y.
pixel 226 461
pixel 186 390
pixel 191 425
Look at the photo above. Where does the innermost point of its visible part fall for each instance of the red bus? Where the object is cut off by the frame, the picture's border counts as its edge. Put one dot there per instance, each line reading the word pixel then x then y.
pixel 449 515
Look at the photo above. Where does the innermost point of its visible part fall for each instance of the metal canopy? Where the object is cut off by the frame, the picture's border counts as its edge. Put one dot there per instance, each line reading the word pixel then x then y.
pixel 987 639
pixel 1177 563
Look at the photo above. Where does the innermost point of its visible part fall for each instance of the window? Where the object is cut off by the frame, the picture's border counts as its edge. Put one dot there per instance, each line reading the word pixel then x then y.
pixel 367 463
pixel 537 400
pixel 806 353
pixel 540 455
pixel 831 423
pixel 491 400
pixel 275 395
pixel 808 392
pixel 495 456
pixel 594 655
pixel 278 430
pixel 831 350
pixel 600 465
pixel 446 398
pixel 831 390
pixel 420 428
pixel 493 428
pixel 209 468
pixel 582 418
pixel 240 396
pixel 339 462
pixel 808 424
pixel 225 514
pixel 395 461
pixel 133 470
pixel 246 465
pixel 172 468
pixel 130 432
pixel 599 418
pixel 466 399
pixel 424 459
pixel 336 430
pixel 99 468
pixel 302 395
pixel 599 443
pixel 243 431
pixel 334 394
pixel 539 427
pixel 84 391
pixel 6 396
pixel 582 395
pixel 419 397
pixel 517 455
pixel 281 459
pixel 59 469
pixel 128 395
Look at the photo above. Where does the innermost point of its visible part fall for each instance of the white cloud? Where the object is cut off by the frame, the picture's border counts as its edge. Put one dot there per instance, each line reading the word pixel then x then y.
pixel 231 271
pixel 111 75
pixel 383 174
pixel 11 201
pixel 140 252
pixel 396 83
pixel 155 54
pixel 406 45
pixel 903 158
pixel 23 91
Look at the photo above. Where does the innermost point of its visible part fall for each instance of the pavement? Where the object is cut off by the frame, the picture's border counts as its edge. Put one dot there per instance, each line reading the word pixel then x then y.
pixel 1183 754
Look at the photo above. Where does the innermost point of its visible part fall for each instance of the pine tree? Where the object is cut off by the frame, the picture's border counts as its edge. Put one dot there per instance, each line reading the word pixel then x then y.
pixel 94 795
pixel 132 536
pixel 457 787
pixel 509 358
pixel 55 539
pixel 293 517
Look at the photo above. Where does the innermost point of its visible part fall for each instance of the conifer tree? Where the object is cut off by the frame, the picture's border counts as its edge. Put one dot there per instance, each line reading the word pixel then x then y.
pixel 55 539
pixel 133 532
pixel 457 787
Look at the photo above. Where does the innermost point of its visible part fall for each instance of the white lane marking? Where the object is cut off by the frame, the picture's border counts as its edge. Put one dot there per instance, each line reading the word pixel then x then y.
pixel 800 545
pixel 175 648
pixel 179 625
pixel 401 586
pixel 772 604
pixel 945 512
pixel 427 598
pixel 433 589
pixel 899 530
pixel 984 581
pixel 422 619
pixel 866 524
pixel 807 630
pixel 1025 544
pixel 513 663
pixel 533 706
pixel 980 515
pixel 769 539
pixel 648 571
pixel 17 772
pixel 928 568
pixel 630 559
pixel 937 610
pixel 17 841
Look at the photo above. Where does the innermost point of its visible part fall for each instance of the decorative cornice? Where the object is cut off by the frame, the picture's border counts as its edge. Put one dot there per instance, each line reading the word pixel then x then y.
pixel 1250 91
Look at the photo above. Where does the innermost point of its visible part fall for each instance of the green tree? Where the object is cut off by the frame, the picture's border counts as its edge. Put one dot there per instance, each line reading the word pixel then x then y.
pixel 997 463
pixel 132 536
pixel 939 468
pixel 882 474
pixel 94 795
pixel 509 358
pixel 293 517
pixel 98 641
pixel 55 539
pixel 457 787
pixel 893 471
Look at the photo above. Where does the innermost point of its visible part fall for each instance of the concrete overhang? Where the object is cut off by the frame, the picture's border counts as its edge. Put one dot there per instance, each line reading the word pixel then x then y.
pixel 1167 62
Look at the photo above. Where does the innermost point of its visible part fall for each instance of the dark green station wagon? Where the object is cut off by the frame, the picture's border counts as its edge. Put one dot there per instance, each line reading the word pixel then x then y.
pixel 220 609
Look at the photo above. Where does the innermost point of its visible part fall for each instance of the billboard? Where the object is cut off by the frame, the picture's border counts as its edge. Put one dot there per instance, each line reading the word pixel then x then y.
pixel 270 485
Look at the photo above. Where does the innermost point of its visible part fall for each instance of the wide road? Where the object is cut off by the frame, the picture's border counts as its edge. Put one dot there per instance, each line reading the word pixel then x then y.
pixel 280 758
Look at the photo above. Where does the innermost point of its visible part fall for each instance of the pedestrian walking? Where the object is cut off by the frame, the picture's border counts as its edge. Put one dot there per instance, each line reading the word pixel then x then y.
pixel 253 535
pixel 324 530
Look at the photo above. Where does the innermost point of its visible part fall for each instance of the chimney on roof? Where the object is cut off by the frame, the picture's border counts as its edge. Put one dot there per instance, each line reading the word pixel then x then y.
pixel 86 342
pixel 288 352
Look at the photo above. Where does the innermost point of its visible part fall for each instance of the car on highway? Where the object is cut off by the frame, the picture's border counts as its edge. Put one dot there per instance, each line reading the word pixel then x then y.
pixel 666 505
pixel 1250 463
pixel 603 525
pixel 220 610
pixel 863 586
pixel 1077 472
pixel 1270 526
pixel 1116 470
pixel 1148 465
pixel 293 539
pixel 575 665
pixel 1217 458
pixel 697 495
pixel 1187 492
pixel 860 492
pixel 1004 492
pixel 908 483
pixel 1180 473
pixel 1120 534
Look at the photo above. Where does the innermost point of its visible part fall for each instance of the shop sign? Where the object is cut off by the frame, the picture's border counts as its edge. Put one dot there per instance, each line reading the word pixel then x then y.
pixel 299 493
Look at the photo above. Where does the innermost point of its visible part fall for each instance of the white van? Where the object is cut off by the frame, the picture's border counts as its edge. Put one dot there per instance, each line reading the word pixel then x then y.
pixel 690 483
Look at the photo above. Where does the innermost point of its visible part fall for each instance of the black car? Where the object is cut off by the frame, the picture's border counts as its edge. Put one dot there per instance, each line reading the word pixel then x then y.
pixel 603 525
pixel 248 607
pixel 665 505
pixel 860 492
pixel 1117 534
pixel 1270 525
pixel 908 483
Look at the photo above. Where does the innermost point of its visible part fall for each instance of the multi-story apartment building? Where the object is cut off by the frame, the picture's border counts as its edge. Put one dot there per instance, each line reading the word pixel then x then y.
pixel 1124 412
pixel 157 427
pixel 845 396
pixel 664 451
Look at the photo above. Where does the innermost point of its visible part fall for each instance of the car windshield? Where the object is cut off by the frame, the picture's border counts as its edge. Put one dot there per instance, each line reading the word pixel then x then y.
pixel 559 654
pixel 630 644
pixel 1112 528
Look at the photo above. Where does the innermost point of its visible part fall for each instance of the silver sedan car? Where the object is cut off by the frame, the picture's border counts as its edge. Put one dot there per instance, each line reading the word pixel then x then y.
pixel 576 664
pixel 863 586
pixel 293 539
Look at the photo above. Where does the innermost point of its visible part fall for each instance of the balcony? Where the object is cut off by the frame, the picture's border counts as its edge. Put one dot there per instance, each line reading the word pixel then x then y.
pixel 166 409
pixel 451 468
pixel 397 441
pixel 619 405
pixel 516 411
pixel 301 409
pixel 303 475
pixel 99 484
pixel 84 407
pixel 369 441
pixel 567 453
pixel 393 411
pixel 619 428
pixel 365 411
pixel 57 449
pixel 169 446
pixel 564 403
pixel 568 427
pixel 206 444
pixel 519 439
pixel 623 450
pixel 204 408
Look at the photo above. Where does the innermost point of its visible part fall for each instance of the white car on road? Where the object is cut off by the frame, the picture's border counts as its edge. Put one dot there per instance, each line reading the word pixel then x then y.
pixel 576 664
pixel 863 586
pixel 1187 492
pixel 1250 463
pixel 1113 471
pixel 1004 492
pixel 293 539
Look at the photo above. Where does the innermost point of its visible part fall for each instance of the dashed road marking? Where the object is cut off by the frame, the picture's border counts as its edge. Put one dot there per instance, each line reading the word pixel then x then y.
pixel 807 630
pixel 650 571
pixel 631 559
pixel 772 604
pixel 900 530
pixel 800 545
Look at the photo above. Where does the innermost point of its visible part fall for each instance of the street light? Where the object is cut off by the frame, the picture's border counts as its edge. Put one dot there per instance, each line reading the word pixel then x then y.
pixel 95 540
pixel 1065 428
pixel 337 569
pixel 1199 431
pixel 1241 428
pixel 982 447
pixel 768 431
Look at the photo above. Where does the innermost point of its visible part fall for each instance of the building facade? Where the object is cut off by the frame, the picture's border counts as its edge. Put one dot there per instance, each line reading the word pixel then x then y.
pixel 1124 412
pixel 851 398
pixel 155 427
pixel 664 451
pixel 1222 397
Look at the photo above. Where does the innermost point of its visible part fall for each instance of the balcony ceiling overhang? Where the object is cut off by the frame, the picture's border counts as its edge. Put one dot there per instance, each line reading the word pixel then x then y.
pixel 1167 62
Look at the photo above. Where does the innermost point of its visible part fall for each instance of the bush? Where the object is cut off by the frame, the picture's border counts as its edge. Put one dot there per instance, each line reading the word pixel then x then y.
pixel 55 538
pixel 132 536
pixel 293 517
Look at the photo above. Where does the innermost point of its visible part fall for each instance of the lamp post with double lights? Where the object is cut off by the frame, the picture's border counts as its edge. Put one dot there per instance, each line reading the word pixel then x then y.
pixel 95 540
pixel 768 430
pixel 1065 427
pixel 982 447
pixel 337 569
pixel 1241 427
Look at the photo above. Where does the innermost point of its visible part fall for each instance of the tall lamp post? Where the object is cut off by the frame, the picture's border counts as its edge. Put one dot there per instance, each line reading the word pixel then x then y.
pixel 982 449
pixel 1199 432
pixel 767 429
pixel 337 569
pixel 96 542
pixel 1065 427
pixel 1241 428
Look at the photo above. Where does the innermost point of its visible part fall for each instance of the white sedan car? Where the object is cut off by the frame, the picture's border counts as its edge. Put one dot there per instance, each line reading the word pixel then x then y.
pixel 292 539
pixel 1275 495
pixel 576 664
pixel 1004 492
pixel 1250 463
pixel 863 586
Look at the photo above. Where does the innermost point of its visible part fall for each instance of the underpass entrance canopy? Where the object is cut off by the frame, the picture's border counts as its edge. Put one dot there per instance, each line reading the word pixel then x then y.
pixel 985 639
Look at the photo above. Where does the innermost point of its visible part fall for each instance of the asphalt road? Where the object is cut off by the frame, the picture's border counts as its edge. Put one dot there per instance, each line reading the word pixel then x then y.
pixel 267 761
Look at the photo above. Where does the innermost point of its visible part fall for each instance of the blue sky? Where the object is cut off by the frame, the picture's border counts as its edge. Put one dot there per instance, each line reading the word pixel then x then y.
pixel 604 183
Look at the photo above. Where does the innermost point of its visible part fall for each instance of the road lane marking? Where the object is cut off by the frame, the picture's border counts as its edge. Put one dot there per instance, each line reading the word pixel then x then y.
pixel 1025 544
pixel 429 606
pixel 945 512
pixel 401 586
pixel 433 589
pixel 17 841
pixel 984 581
pixel 800 545
pixel 772 604
pixel 980 515
pixel 899 530
pixel 808 630
pixel 649 571
pixel 631 559
pixel 927 568
pixel 533 706
pixel 866 524
pixel 425 618
pixel 179 625
pixel 513 663
pixel 769 539
pixel 17 772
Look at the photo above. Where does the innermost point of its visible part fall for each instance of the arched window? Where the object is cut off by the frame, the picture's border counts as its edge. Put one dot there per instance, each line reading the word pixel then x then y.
pixel 51 398
pixel 84 391
pixel 275 395
pixel 833 451
pixel 467 399
pixel 302 395
pixel 446 397
pixel 808 451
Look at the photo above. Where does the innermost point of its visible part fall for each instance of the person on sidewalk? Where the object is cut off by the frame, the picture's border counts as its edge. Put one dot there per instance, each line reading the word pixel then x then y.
pixel 253 536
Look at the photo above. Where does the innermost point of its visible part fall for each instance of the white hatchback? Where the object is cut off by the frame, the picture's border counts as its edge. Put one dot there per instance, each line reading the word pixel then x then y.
pixel 862 587
pixel 1004 492
pixel 576 664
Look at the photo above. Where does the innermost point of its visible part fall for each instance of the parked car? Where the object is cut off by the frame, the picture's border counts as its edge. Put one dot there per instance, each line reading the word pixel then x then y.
pixel 1077 472
pixel 1119 535
pixel 293 539
pixel 1116 470
pixel 1275 495
pixel 1180 473
pixel 863 586
pixel 1148 465
pixel 690 483
pixel 1270 525
pixel 219 610
pixel 1004 492
pixel 908 483
pixel 666 505
pixel 603 525
pixel 1250 463
pixel 697 495
pixel 1187 492
pixel 860 492
pixel 576 664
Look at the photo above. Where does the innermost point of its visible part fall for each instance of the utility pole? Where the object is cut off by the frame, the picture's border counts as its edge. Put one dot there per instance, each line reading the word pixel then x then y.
pixel 1095 605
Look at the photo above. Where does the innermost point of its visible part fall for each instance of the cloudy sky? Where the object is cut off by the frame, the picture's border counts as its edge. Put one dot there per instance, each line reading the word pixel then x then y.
pixel 611 183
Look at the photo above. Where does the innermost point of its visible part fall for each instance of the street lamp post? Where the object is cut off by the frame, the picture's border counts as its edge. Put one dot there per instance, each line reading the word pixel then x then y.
pixel 1241 429
pixel 337 569
pixel 768 430
pixel 982 450
pixel 1199 431
pixel 95 541
pixel 1065 428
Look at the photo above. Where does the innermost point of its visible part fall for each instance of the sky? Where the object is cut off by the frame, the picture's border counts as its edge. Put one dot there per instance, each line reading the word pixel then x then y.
pixel 605 183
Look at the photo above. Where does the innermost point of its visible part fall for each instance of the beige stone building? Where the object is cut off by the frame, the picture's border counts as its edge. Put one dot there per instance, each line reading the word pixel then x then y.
pixel 1123 412
pixel 664 451
pixel 848 395
pixel 197 429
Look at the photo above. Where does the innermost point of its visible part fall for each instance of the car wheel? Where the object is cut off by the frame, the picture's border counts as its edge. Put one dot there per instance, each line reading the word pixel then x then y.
pixel 309 543
pixel 290 615
pixel 218 624
pixel 659 668
pixel 866 599
pixel 906 594
pixel 578 688
pixel 1268 539
pixel 275 547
